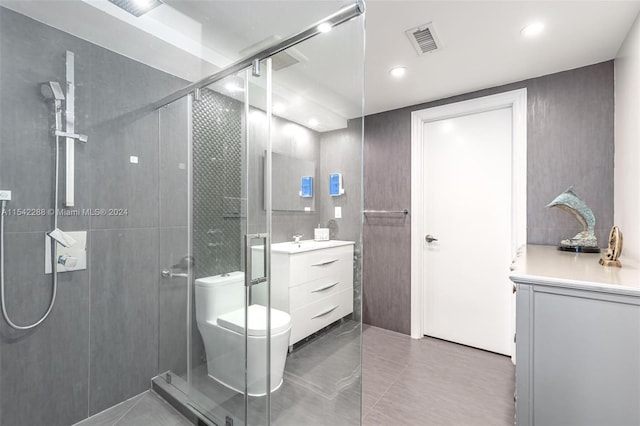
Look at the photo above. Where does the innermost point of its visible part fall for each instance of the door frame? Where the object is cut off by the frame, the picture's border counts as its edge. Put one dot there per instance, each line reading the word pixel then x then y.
pixel 517 100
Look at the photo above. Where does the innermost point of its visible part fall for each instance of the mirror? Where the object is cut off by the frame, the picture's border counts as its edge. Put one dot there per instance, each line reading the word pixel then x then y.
pixel 287 182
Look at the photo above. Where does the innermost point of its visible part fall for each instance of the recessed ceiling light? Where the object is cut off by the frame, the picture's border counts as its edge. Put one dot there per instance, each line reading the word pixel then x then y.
pixel 532 30
pixel 313 122
pixel 398 72
pixel 325 27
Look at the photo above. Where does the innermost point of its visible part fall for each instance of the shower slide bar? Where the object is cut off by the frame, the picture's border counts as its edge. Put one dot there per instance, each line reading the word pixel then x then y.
pixel 343 15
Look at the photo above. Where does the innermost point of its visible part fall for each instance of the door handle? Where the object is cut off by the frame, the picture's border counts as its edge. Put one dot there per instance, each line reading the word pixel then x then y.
pixel 327 287
pixel 248 281
pixel 327 312
pixel 326 262
pixel 430 238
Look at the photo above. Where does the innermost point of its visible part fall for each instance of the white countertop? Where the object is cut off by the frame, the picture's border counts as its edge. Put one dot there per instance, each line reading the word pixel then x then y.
pixel 546 265
pixel 307 245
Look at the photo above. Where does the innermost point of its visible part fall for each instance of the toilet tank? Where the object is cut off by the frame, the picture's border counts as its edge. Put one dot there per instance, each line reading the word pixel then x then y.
pixel 218 295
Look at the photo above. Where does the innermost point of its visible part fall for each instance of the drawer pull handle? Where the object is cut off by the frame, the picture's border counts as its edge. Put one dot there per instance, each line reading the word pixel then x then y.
pixel 325 263
pixel 327 312
pixel 325 287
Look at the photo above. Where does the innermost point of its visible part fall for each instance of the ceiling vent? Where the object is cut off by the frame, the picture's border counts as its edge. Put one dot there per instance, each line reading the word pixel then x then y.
pixel 424 38
pixel 137 8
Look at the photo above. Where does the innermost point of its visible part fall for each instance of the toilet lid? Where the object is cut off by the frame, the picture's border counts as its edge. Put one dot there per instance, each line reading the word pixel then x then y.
pixel 280 321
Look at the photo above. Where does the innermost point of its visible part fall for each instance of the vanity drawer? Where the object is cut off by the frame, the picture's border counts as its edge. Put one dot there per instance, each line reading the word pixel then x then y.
pixel 313 291
pixel 317 264
pixel 311 318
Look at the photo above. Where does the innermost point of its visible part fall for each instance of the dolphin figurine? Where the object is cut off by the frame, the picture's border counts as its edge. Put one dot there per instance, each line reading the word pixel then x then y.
pixel 586 239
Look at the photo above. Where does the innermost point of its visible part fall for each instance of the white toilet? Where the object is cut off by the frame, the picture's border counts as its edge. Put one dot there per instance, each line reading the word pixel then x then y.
pixel 220 316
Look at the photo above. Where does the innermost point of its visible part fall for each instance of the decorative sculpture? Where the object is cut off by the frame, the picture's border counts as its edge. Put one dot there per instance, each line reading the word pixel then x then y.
pixel 614 250
pixel 584 241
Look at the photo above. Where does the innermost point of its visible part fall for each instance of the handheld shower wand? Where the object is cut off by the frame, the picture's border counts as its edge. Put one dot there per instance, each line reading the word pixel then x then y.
pixel 52 92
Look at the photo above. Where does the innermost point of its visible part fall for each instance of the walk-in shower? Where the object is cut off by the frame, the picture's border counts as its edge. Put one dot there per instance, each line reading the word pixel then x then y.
pixel 191 186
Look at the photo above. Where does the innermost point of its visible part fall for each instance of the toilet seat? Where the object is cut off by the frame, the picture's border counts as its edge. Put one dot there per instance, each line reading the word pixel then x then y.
pixel 257 319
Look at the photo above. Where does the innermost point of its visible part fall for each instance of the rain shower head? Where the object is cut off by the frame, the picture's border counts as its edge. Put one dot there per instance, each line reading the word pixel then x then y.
pixel 52 91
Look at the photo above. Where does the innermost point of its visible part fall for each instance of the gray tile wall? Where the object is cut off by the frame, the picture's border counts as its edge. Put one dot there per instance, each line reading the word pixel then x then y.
pixel 341 152
pixel 303 143
pixel 217 184
pixel 570 142
pixel 100 344
pixel 294 141
pixel 386 238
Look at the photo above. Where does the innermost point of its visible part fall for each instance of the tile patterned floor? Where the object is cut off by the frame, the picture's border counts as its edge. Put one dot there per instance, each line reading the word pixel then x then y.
pixel 146 409
pixel 322 386
pixel 432 382
pixel 405 382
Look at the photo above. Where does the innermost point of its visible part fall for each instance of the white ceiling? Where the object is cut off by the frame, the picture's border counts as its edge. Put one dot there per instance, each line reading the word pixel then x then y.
pixel 482 46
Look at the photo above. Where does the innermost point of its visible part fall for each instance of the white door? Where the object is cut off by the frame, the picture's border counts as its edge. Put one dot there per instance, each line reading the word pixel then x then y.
pixel 468 207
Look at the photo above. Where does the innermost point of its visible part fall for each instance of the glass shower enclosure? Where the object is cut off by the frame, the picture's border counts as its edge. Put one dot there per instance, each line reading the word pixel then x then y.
pixel 245 162
pixel 181 183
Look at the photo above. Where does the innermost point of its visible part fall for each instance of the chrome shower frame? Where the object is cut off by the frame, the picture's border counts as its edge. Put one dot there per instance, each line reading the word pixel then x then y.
pixel 345 14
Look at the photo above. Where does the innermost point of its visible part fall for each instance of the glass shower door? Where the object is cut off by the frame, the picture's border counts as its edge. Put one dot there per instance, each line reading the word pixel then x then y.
pixel 228 374
pixel 316 122
pixel 269 121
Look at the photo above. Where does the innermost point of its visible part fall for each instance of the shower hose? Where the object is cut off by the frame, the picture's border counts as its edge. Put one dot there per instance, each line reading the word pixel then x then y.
pixel 54 255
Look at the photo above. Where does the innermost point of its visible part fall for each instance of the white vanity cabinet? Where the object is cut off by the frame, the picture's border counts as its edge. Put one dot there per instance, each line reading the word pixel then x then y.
pixel 312 281
pixel 577 339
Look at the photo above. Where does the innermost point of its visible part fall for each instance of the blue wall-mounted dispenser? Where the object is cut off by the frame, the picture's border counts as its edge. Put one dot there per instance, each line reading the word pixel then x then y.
pixel 306 187
pixel 335 184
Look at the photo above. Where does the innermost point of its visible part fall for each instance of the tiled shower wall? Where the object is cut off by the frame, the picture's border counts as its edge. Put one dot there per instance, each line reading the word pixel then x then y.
pixel 100 344
pixel 217 184
pixel 570 117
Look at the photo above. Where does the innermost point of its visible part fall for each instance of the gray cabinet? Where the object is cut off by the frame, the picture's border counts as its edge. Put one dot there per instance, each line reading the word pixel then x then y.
pixel 578 340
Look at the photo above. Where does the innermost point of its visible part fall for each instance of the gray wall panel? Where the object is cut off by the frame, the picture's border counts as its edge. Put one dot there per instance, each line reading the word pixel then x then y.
pixel 570 142
pixel 386 298
pixel 44 374
pixel 341 152
pixel 124 315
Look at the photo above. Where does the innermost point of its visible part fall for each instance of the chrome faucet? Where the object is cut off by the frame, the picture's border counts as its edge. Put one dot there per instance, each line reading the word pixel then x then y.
pixel 297 238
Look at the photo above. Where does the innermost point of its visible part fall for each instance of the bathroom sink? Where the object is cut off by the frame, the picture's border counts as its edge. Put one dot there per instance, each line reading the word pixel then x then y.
pixel 306 245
